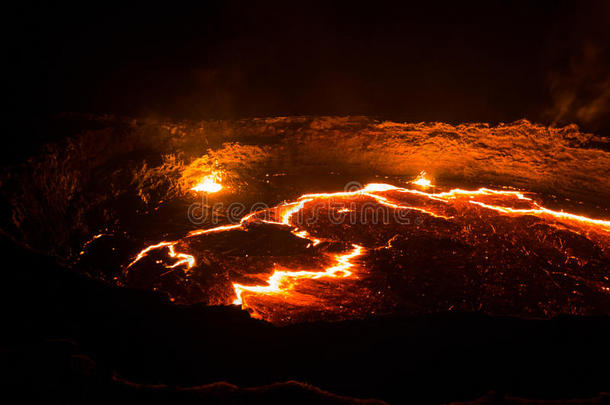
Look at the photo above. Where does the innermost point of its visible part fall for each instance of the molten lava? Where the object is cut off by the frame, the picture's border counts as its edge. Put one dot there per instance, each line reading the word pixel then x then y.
pixel 353 240
pixel 209 184
pixel 422 180
pixel 280 281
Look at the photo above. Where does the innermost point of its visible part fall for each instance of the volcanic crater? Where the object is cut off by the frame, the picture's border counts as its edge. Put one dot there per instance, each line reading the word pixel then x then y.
pixel 300 219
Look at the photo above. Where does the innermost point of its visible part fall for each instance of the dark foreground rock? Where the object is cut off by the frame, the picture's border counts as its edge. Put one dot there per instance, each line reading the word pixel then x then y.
pixel 70 339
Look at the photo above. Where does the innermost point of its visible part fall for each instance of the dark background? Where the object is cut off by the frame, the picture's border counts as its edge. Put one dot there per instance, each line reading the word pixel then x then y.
pixel 491 61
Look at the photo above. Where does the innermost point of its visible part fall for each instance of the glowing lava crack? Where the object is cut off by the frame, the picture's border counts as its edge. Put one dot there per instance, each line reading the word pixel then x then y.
pixel 279 282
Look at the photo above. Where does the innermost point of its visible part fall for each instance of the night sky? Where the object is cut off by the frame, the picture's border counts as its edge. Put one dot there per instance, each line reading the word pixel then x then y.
pixel 491 61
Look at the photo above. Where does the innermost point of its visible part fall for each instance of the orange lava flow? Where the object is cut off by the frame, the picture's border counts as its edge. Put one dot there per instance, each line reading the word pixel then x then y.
pixel 282 280
pixel 541 211
pixel 185 259
pixel 99 235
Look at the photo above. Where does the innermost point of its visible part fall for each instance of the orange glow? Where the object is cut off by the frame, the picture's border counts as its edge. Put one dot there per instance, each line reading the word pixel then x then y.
pixel 99 235
pixel 541 211
pixel 422 181
pixel 281 281
pixel 185 259
pixel 212 230
pixel 209 184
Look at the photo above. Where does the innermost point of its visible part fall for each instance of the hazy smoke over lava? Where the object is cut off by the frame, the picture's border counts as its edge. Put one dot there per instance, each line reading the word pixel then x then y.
pixel 582 92
pixel 579 81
